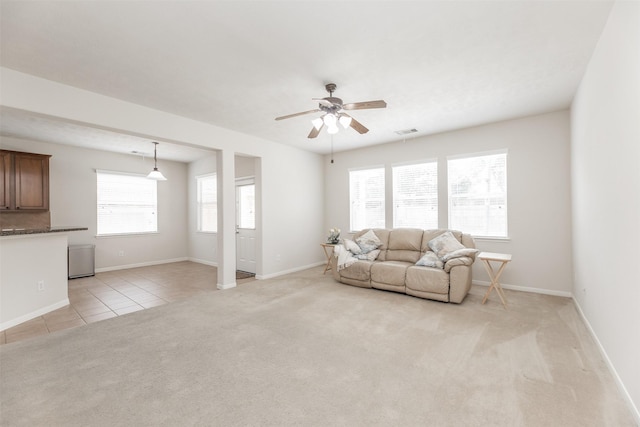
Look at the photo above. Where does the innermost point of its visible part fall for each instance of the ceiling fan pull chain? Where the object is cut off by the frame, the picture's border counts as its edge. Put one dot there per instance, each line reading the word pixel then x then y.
pixel 331 149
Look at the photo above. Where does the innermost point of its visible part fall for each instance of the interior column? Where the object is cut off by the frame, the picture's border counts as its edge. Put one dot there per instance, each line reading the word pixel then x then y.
pixel 226 219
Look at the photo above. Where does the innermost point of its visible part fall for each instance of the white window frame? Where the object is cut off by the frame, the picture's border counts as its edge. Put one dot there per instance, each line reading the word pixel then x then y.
pixel 202 205
pixel 358 219
pixel 419 201
pixel 105 209
pixel 492 198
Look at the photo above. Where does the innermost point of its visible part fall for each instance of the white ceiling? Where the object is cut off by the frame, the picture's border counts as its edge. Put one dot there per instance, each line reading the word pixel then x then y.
pixel 440 65
pixel 22 124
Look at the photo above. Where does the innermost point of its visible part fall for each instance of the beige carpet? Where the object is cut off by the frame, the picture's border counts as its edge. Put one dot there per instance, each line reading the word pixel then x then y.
pixel 304 350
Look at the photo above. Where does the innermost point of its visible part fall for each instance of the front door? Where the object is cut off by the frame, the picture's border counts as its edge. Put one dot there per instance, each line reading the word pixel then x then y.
pixel 246 225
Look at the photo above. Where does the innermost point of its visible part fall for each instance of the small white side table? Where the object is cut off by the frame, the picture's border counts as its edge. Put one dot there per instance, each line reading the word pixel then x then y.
pixel 328 251
pixel 504 259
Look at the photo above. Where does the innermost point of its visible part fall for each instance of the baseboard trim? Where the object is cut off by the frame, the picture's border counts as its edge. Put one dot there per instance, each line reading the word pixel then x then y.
pixel 612 369
pixel 141 264
pixel 26 317
pixel 293 270
pixel 203 261
pixel 227 286
pixel 527 289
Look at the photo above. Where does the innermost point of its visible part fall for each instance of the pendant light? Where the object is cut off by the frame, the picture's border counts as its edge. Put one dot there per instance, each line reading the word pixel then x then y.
pixel 155 173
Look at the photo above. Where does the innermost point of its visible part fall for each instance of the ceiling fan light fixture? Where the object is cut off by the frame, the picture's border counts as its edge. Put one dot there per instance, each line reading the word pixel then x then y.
pixel 330 120
pixel 155 173
pixel 332 123
pixel 345 121
pixel 317 123
pixel 333 108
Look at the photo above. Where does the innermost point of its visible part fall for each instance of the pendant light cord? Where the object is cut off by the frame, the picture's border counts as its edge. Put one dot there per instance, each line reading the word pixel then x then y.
pixel 155 154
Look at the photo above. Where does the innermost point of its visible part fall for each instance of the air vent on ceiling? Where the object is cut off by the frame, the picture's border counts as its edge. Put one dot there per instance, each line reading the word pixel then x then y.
pixel 406 131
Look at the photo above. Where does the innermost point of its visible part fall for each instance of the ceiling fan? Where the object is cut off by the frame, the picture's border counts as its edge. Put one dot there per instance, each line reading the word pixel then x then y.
pixel 334 113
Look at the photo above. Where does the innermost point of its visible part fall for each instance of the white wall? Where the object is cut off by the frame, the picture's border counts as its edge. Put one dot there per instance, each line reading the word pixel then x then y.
pixel 72 184
pixel 539 209
pixel 605 152
pixel 202 246
pixel 291 180
pixel 25 261
pixel 245 166
pixel 292 196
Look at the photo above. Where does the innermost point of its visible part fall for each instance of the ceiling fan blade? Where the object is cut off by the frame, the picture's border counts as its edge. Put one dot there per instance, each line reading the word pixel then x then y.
pixel 359 127
pixel 315 131
pixel 297 114
pixel 365 105
pixel 323 102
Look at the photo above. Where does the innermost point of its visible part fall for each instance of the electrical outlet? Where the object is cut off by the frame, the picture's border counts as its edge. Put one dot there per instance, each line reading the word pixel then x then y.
pixel 120 253
pixel 40 285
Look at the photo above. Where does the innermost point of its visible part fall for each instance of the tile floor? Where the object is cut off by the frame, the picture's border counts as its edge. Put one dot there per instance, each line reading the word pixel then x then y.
pixel 119 292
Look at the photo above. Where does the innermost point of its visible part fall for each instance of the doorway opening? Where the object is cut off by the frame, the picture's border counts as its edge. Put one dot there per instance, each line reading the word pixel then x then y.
pixel 245 227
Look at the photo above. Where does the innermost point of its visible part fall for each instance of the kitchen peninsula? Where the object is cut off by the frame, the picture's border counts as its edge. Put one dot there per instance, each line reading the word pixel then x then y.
pixel 33 272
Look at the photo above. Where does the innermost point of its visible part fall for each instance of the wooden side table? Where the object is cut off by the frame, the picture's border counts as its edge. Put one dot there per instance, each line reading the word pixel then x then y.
pixel 328 252
pixel 504 259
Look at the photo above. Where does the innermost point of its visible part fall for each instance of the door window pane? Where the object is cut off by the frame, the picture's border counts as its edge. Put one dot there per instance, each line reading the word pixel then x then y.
pixel 246 206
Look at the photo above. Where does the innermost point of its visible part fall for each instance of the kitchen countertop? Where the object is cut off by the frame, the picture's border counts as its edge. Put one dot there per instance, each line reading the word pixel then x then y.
pixel 25 231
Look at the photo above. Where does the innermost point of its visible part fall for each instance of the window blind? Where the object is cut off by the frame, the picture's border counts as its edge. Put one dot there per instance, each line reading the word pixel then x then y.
pixel 207 203
pixel 126 204
pixel 366 193
pixel 415 195
pixel 478 195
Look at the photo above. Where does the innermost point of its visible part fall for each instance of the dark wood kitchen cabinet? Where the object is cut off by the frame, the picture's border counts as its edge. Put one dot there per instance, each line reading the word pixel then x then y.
pixel 25 181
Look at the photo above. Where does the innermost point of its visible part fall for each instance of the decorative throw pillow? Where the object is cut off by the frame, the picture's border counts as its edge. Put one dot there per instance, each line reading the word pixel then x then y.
pixel 368 242
pixel 430 259
pixel 369 256
pixel 460 253
pixel 445 243
pixel 352 246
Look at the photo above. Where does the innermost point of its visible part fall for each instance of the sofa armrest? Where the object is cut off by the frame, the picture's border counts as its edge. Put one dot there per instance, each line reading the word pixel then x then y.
pixel 459 282
pixel 454 262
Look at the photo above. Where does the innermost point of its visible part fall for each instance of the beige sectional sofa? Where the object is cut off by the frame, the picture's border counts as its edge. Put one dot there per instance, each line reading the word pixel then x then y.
pixel 394 268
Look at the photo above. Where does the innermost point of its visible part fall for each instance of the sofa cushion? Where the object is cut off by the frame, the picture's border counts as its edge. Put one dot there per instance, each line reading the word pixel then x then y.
pixel 464 252
pixel 351 246
pixel 360 270
pixel 444 244
pixel 427 279
pixel 369 256
pixel 429 235
pixel 368 242
pixel 404 245
pixel 430 259
pixel 383 235
pixel 389 272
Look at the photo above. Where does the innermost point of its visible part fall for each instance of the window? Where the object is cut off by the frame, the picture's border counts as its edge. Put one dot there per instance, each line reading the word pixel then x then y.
pixel 415 195
pixel 127 204
pixel 207 203
pixel 366 193
pixel 478 194
pixel 246 204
